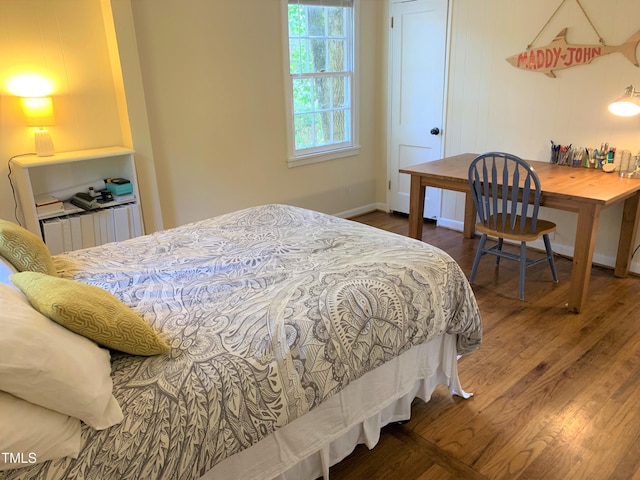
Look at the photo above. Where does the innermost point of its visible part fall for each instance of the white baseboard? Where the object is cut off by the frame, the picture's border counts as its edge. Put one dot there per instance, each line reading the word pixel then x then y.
pixel 451 224
pixel 362 210
pixel 558 248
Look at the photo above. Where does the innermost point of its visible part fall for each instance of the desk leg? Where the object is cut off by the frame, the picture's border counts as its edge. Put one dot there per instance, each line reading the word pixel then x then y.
pixel 588 218
pixel 416 207
pixel 630 218
pixel 470 214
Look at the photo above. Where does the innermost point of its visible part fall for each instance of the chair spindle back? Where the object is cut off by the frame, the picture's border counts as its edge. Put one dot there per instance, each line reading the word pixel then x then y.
pixel 505 187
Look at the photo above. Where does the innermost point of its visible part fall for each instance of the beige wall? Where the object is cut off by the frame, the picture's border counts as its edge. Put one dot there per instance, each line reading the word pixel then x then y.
pixel 494 106
pixel 73 43
pixel 214 83
pixel 206 100
pixel 65 40
pixel 204 106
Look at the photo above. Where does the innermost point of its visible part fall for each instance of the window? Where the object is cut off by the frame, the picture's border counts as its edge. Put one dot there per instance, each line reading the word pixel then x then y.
pixel 321 79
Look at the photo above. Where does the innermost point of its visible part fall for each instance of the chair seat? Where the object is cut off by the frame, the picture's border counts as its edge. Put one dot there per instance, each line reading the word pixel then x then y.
pixel 542 227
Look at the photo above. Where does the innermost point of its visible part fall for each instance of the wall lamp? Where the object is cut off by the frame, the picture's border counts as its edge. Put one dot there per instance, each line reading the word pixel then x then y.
pixel 628 104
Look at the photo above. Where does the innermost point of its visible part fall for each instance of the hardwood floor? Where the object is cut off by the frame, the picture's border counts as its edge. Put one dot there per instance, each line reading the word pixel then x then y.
pixel 555 393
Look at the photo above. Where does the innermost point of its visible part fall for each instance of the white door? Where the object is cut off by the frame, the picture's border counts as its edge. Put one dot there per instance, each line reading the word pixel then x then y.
pixel 417 77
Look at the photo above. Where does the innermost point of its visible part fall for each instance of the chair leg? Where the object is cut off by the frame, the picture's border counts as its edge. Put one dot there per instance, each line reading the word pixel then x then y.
pixel 523 268
pixel 552 263
pixel 500 241
pixel 476 260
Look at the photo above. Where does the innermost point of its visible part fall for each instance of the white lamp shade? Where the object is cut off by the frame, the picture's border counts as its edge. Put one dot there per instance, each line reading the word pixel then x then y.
pixel 38 111
pixel 627 105
pixel 626 108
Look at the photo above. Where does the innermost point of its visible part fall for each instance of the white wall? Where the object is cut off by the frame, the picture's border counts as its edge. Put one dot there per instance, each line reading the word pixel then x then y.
pixel 494 106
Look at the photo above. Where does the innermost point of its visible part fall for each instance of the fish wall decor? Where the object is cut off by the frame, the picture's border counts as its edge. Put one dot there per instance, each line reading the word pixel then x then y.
pixel 559 54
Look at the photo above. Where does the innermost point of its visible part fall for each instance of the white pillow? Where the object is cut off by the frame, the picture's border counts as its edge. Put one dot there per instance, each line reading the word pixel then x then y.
pixel 48 365
pixel 6 269
pixel 31 434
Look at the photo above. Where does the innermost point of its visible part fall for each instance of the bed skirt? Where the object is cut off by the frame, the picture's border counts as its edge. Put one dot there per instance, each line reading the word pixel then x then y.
pixel 308 446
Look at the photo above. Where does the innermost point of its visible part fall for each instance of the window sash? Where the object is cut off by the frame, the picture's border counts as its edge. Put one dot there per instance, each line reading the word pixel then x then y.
pixel 324 126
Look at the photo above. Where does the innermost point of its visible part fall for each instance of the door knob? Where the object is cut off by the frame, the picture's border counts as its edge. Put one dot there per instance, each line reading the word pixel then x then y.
pixel 435 131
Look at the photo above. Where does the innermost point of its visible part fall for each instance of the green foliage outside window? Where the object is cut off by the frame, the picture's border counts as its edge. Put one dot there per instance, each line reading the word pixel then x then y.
pixel 320 65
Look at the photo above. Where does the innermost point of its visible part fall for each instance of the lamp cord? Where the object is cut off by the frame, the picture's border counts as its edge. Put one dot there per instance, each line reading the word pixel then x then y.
pixel 13 190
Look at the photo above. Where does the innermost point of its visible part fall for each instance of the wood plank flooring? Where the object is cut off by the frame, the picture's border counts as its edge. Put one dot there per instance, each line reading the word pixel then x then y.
pixel 555 393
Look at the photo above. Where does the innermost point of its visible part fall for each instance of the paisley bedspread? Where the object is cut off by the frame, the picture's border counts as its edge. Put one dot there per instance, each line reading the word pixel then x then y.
pixel 269 311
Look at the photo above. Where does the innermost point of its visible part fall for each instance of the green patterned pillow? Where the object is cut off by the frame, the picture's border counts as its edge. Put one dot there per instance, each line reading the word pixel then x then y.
pixel 91 312
pixel 24 249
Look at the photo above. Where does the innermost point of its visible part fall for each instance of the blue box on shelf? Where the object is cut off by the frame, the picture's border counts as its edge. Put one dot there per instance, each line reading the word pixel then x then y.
pixel 119 186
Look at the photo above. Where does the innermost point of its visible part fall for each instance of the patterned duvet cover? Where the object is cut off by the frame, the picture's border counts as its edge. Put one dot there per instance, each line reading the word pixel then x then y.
pixel 269 311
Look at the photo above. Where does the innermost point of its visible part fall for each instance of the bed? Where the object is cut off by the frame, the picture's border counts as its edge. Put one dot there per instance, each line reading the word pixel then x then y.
pixel 293 336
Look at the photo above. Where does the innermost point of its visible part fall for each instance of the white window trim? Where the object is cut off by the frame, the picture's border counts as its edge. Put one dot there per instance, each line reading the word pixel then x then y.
pixel 335 153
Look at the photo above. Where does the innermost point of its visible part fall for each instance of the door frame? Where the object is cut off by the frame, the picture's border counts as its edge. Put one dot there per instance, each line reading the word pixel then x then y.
pixel 445 80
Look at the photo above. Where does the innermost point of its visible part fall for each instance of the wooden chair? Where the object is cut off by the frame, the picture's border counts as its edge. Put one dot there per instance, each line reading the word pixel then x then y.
pixel 506 193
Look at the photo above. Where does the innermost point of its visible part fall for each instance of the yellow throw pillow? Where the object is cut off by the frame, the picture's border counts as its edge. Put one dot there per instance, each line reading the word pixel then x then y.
pixel 24 249
pixel 91 312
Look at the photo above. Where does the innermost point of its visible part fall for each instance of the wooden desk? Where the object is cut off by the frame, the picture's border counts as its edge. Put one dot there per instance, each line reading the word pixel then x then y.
pixel 579 190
